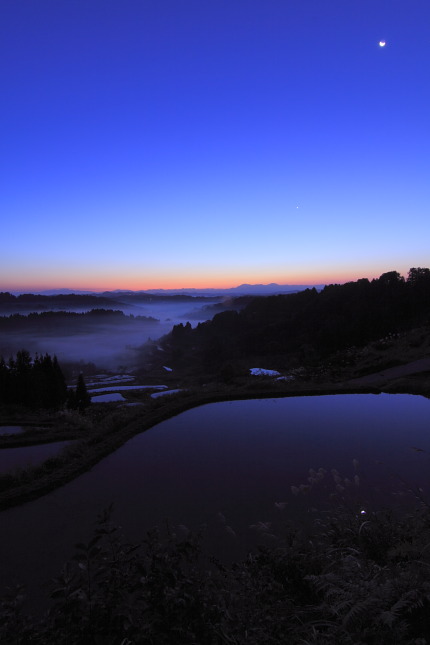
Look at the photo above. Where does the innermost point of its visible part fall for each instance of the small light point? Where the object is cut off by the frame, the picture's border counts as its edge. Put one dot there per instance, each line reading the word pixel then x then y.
pixel 382 43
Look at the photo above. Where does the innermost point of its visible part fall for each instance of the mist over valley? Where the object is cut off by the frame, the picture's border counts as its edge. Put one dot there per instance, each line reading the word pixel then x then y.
pixel 100 329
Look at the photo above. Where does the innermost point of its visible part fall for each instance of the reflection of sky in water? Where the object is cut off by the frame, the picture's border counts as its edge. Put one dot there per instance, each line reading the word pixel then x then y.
pixel 237 458
pixel 112 397
pixel 11 458
pixel 11 430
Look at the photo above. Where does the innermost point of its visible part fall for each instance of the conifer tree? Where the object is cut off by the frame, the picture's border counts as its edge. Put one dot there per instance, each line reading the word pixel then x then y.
pixel 4 380
pixel 82 398
pixel 60 382
pixel 37 383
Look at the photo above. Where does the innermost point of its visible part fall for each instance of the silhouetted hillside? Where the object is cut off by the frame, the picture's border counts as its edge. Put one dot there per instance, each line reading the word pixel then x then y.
pixel 38 302
pixel 71 321
pixel 308 325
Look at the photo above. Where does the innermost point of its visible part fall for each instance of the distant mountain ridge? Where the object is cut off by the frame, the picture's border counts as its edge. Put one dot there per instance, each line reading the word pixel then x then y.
pixel 243 289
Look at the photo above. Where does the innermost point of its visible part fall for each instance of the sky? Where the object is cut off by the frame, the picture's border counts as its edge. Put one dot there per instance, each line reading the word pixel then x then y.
pixel 186 143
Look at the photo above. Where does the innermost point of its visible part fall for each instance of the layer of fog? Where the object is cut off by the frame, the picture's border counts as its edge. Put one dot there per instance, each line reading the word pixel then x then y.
pixel 109 346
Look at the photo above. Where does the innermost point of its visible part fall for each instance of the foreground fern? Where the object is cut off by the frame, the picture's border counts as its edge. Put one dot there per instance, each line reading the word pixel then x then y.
pixel 347 581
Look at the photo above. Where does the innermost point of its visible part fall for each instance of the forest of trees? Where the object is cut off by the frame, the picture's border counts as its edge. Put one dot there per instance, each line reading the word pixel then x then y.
pixel 39 383
pixel 55 319
pixel 34 383
pixel 54 301
pixel 308 325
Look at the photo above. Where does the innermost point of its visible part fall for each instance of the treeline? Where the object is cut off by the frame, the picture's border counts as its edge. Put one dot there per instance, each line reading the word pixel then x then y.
pixel 309 324
pixel 72 300
pixel 136 297
pixel 53 319
pixel 34 383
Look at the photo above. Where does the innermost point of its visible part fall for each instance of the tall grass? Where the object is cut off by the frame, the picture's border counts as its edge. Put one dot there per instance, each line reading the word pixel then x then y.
pixel 349 575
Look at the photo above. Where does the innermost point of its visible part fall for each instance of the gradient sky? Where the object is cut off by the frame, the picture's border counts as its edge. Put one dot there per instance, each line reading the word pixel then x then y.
pixel 192 143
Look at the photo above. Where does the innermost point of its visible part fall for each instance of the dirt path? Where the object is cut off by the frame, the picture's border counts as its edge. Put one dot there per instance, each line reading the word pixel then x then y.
pixel 400 371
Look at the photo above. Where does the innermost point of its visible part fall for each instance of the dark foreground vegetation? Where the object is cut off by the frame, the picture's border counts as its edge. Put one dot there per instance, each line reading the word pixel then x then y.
pixel 348 575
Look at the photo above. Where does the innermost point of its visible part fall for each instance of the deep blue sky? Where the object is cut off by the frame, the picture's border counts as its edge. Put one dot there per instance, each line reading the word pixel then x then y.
pixel 176 143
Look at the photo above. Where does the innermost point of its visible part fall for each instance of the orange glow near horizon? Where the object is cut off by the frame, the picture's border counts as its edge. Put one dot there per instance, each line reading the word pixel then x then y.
pixel 188 280
pixel 211 185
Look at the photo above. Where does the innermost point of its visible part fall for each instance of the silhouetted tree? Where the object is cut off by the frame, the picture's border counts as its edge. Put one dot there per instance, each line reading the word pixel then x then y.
pixel 71 399
pixel 37 383
pixel 391 278
pixel 49 390
pixel 4 380
pixel 59 381
pixel 82 398
pixel 23 377
pixel 418 275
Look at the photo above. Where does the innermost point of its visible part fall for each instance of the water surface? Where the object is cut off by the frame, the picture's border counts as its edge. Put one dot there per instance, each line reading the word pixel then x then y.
pixel 11 430
pixel 23 457
pixel 224 464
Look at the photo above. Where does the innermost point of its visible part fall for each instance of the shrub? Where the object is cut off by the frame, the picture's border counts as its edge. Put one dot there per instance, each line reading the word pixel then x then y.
pixel 353 576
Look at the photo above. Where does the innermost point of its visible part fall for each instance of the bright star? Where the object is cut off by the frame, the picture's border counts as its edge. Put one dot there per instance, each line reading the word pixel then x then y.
pixel 382 43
